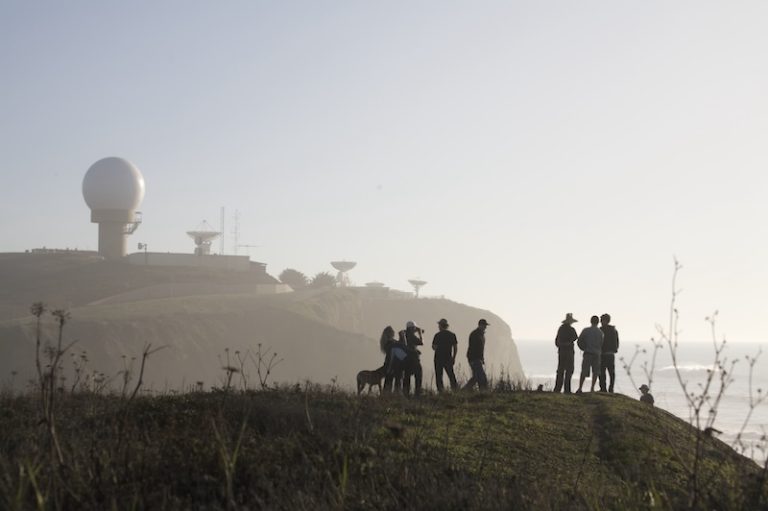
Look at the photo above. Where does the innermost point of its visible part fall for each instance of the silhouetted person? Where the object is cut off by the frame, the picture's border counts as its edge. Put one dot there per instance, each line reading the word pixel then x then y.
pixel 591 342
pixel 646 396
pixel 476 356
pixel 413 363
pixel 446 346
pixel 566 336
pixel 608 356
pixel 394 360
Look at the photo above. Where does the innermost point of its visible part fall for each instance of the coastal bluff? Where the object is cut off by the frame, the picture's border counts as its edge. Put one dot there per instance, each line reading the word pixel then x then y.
pixel 202 317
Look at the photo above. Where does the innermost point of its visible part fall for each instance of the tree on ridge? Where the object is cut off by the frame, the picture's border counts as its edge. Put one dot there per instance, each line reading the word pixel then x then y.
pixel 294 278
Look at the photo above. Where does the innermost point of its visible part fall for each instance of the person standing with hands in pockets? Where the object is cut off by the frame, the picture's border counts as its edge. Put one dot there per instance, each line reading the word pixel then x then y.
pixel 590 341
pixel 446 346
pixel 608 356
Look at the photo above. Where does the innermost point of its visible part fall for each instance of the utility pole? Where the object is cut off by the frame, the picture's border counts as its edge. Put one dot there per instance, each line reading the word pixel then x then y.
pixel 222 230
pixel 236 231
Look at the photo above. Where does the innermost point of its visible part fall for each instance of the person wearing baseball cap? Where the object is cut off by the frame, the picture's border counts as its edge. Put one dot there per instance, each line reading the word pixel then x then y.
pixel 445 345
pixel 476 357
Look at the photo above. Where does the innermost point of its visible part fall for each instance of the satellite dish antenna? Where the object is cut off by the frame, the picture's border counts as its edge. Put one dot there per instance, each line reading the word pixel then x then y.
pixel 203 235
pixel 417 285
pixel 343 267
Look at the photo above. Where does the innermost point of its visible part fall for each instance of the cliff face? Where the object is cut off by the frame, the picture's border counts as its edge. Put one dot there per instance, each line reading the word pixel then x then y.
pixel 321 335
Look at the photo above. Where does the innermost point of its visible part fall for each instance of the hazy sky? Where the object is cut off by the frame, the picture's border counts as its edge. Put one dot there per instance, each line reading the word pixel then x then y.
pixel 534 158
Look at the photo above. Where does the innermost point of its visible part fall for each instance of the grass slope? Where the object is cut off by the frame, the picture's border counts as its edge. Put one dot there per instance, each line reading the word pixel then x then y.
pixel 311 448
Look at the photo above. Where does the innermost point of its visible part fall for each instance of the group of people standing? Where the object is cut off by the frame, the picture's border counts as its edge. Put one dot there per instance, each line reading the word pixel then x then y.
pixel 402 356
pixel 599 345
pixel 402 360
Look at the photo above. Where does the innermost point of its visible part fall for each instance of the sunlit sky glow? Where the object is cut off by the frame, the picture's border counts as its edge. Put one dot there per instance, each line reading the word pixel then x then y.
pixel 533 158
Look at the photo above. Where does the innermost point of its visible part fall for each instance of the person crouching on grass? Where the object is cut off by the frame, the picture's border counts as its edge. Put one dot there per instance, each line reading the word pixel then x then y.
pixel 646 396
pixel 591 343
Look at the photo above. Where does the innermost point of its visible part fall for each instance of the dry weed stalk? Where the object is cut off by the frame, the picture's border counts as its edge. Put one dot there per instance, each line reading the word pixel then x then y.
pixel 704 400
pixel 265 364
pixel 49 375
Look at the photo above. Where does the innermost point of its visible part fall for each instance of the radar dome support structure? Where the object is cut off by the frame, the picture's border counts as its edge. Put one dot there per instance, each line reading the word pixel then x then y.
pixel 113 188
pixel 343 267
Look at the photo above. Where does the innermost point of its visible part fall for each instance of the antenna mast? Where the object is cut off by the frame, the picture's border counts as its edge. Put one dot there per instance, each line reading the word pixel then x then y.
pixel 236 232
pixel 222 230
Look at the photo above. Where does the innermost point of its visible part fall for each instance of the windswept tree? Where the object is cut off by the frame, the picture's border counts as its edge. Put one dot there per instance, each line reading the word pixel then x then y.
pixel 323 279
pixel 294 278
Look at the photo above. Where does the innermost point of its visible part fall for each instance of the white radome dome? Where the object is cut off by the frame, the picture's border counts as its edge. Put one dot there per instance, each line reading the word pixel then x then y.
pixel 113 183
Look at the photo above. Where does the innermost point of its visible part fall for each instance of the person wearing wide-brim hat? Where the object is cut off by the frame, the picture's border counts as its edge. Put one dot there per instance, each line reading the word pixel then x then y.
pixel 566 336
pixel 646 396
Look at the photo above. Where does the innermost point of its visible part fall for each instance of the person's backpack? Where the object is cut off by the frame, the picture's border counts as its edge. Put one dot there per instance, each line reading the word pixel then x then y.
pixel 399 352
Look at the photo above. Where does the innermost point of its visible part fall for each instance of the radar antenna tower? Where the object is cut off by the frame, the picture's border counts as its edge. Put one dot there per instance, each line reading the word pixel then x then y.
pixel 417 285
pixel 343 267
pixel 203 236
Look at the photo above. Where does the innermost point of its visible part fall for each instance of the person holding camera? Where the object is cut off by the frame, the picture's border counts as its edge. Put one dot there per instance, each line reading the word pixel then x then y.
pixel 413 339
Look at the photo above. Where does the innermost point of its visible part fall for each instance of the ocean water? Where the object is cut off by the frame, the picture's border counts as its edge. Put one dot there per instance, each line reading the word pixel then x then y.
pixel 694 362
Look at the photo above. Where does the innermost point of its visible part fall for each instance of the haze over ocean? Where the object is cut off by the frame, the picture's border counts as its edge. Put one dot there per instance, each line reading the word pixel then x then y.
pixel 539 359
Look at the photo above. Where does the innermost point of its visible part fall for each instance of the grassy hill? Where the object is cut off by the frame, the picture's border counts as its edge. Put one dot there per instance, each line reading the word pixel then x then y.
pixel 304 447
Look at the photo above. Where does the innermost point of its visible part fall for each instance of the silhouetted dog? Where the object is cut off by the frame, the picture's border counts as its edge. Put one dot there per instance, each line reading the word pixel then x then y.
pixel 370 378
